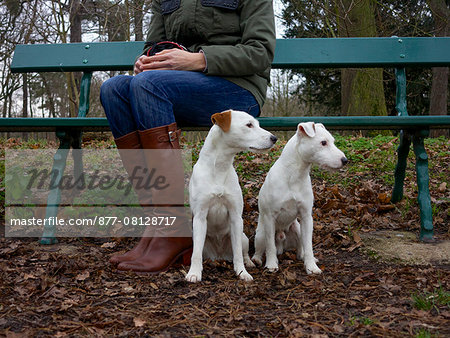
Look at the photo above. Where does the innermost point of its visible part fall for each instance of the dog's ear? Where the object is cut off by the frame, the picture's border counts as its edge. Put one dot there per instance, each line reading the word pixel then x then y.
pixel 223 120
pixel 306 128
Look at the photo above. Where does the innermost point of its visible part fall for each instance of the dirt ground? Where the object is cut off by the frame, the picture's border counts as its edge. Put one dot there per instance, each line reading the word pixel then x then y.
pixel 69 289
pixel 402 247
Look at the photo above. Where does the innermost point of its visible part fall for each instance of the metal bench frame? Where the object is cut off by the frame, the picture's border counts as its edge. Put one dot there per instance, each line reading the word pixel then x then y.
pixel 392 52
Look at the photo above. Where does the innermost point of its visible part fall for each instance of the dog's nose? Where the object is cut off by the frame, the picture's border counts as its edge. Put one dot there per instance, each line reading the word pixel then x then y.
pixel 273 138
pixel 344 160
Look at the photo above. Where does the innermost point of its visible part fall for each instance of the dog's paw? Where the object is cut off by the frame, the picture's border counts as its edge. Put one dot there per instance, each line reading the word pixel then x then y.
pixel 312 268
pixel 245 276
pixel 248 263
pixel 272 267
pixel 257 260
pixel 194 276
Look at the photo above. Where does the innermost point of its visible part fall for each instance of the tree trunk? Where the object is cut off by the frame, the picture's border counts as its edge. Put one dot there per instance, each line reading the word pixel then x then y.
pixel 439 86
pixel 25 102
pixel 362 90
pixel 10 106
pixel 5 105
pixel 138 16
pixel 50 104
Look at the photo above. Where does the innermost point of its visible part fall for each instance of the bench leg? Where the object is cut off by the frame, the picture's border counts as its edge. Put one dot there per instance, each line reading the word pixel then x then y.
pixel 424 200
pixel 400 169
pixel 54 196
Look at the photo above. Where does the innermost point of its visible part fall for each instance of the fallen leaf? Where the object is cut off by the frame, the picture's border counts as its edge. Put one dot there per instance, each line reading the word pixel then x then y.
pixel 108 245
pixel 387 207
pixel 354 246
pixel 139 322
pixel 290 276
pixel 338 328
pixel 83 276
pixel 356 237
pixel 384 198
pixel 27 276
pixel 128 289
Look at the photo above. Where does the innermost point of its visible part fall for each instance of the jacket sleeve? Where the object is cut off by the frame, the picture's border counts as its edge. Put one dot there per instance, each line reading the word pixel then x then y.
pixel 254 54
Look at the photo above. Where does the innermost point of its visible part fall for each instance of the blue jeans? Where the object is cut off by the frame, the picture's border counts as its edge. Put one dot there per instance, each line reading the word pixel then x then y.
pixel 161 97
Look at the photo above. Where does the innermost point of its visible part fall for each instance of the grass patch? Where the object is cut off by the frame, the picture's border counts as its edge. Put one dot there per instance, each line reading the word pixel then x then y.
pixel 355 320
pixel 424 333
pixel 431 300
pixel 370 158
pixel 372 254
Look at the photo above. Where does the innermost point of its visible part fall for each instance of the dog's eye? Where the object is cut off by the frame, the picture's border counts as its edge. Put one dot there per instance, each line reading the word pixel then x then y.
pixel 249 125
pixel 324 143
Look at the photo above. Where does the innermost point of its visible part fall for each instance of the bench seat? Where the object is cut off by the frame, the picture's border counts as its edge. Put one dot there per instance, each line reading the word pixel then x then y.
pixel 271 123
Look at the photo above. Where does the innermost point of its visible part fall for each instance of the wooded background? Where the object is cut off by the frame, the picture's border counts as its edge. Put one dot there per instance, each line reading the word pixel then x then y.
pixel 300 92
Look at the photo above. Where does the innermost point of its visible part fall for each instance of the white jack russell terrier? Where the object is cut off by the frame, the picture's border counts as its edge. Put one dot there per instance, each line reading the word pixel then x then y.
pixel 215 195
pixel 286 197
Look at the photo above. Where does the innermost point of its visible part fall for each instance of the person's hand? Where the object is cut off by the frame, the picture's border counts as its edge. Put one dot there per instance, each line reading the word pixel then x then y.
pixel 171 59
pixel 139 64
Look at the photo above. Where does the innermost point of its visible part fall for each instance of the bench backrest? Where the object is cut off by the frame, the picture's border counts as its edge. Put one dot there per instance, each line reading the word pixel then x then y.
pixel 290 53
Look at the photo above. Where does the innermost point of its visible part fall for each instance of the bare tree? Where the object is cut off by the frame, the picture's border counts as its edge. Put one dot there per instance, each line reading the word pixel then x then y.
pixel 362 89
pixel 60 21
pixel 280 102
pixel 27 36
pixel 138 17
pixel 13 25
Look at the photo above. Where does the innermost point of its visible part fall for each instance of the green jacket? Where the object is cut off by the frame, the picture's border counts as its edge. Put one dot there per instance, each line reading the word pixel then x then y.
pixel 237 36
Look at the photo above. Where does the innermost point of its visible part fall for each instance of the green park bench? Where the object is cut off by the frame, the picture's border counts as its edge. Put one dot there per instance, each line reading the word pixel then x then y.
pixel 393 52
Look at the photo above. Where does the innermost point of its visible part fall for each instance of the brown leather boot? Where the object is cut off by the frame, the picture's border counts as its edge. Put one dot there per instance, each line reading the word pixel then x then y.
pixel 134 163
pixel 172 247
